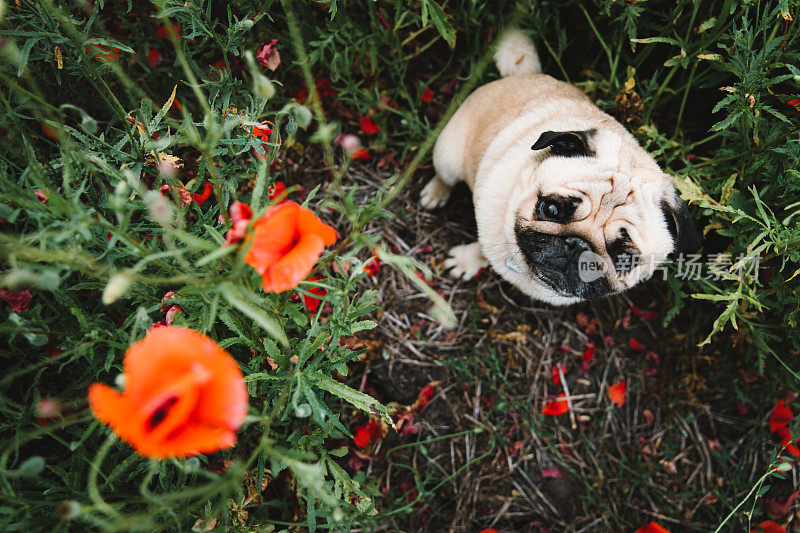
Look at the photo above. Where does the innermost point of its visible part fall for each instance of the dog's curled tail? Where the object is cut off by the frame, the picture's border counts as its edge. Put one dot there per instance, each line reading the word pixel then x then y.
pixel 516 55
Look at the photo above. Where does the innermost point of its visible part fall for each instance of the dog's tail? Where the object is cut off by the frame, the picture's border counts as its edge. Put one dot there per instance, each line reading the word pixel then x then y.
pixel 516 55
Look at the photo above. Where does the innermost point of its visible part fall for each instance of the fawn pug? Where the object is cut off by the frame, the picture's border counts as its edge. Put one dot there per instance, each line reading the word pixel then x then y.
pixel 569 207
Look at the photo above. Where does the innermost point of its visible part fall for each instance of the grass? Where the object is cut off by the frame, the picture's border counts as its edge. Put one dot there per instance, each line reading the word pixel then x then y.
pixel 707 87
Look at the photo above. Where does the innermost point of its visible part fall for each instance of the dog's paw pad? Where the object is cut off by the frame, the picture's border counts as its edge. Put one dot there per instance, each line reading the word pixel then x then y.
pixel 465 261
pixel 434 194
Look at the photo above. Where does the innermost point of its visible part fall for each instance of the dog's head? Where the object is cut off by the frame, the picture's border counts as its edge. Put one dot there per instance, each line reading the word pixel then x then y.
pixel 590 214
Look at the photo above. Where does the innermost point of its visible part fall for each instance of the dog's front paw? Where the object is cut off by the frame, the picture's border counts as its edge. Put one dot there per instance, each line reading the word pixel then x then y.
pixel 434 194
pixel 465 261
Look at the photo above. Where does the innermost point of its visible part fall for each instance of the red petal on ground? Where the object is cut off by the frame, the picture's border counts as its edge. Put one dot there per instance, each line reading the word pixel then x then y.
pixel 780 417
pixel 652 527
pixel 154 57
pixel 552 473
pixel 635 345
pixel 769 527
pixel 368 126
pixel 361 438
pixel 361 153
pixel 556 407
pixel 425 394
pixel 554 373
pixel 616 393
pixel 778 508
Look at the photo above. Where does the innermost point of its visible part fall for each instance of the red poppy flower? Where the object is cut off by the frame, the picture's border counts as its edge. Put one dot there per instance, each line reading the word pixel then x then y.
pixel 312 303
pixel 276 191
pixel 635 345
pixel 616 393
pixel 490 530
pixel 102 53
pixel 769 527
pixel 205 194
pixel 652 527
pixel 285 243
pixel 368 127
pixel 793 103
pixel 427 95
pixel 262 132
pixel 780 417
pixel 240 219
pixel 556 407
pixel 18 300
pixel 267 54
pixel 154 57
pixel 184 395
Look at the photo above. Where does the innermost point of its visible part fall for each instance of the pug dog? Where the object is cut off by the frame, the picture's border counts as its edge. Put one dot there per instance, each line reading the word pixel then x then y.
pixel 568 206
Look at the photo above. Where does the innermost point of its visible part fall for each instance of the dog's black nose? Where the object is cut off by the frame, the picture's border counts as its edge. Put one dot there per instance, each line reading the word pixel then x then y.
pixel 575 245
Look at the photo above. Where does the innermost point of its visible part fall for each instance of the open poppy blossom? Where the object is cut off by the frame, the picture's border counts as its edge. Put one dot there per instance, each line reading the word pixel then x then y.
pixel 285 243
pixel 616 393
pixel 556 407
pixel 184 395
pixel 262 132
pixel 427 95
pixel 635 345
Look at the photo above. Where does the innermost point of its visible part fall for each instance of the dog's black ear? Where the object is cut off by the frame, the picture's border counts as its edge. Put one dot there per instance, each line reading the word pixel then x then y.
pixel 565 143
pixel 680 225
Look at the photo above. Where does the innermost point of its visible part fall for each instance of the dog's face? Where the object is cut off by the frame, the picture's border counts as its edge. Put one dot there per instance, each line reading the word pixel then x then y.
pixel 590 214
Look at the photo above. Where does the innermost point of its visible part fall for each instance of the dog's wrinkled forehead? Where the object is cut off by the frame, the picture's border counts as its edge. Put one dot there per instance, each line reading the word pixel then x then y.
pixel 597 168
pixel 597 185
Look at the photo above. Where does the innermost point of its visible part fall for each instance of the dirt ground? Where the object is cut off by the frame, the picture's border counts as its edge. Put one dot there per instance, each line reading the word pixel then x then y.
pixel 683 448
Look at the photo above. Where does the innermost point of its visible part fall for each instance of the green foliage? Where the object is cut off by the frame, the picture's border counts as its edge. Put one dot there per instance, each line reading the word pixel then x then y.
pixel 714 79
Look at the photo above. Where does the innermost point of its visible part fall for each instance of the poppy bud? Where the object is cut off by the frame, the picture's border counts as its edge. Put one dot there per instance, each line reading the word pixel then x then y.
pixel 89 124
pixel 116 287
pixel 262 86
pixel 68 510
pixel 31 467
pixel 160 208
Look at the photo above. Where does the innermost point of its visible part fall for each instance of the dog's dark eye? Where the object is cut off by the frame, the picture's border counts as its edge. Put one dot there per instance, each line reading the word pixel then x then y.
pixel 550 210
